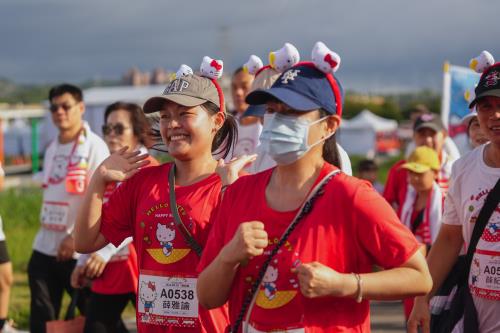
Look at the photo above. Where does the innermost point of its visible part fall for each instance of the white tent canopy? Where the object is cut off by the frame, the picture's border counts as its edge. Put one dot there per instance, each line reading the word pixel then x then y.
pixel 358 136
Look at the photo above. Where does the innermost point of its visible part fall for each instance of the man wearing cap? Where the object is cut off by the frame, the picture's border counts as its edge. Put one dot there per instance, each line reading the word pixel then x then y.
pixel 428 131
pixel 473 177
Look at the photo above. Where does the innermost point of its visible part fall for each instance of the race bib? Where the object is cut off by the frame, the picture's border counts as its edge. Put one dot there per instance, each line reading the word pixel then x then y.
pixel 484 279
pixel 167 300
pixel 253 329
pixel 54 215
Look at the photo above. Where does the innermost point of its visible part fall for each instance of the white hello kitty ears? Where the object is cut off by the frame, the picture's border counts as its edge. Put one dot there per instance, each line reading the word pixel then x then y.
pixel 323 59
pixel 210 69
pixel 481 62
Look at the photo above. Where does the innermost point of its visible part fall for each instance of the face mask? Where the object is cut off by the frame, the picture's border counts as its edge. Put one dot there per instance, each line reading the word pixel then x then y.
pixel 284 138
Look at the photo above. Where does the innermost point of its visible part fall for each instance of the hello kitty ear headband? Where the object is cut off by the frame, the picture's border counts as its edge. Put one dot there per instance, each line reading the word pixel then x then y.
pixel 481 62
pixel 328 62
pixel 212 69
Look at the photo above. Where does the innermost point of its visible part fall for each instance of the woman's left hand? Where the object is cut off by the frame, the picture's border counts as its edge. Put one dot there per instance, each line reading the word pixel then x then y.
pixel 318 280
pixel 229 172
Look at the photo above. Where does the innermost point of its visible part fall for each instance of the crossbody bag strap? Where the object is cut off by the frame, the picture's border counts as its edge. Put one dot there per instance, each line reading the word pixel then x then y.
pixel 247 305
pixel 490 203
pixel 192 243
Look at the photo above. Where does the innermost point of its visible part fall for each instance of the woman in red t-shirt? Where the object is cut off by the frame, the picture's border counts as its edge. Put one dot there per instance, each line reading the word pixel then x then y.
pixel 113 270
pixel 193 126
pixel 314 275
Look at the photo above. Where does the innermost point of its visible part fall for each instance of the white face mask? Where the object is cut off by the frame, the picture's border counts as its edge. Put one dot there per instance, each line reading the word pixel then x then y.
pixel 285 138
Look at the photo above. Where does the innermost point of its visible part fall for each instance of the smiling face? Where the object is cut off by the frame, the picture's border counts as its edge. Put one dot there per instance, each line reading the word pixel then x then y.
pixel 188 132
pixel 475 133
pixel 115 140
pixel 67 112
pixel 488 114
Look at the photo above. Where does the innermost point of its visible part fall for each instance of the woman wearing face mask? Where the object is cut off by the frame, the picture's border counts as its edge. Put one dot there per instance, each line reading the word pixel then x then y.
pixel 167 209
pixel 113 270
pixel 287 263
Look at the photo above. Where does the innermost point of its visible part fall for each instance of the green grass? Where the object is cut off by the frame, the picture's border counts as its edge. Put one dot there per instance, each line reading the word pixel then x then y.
pixel 20 209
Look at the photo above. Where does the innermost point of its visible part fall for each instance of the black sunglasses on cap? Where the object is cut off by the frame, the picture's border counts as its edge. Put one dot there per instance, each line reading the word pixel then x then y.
pixel 118 128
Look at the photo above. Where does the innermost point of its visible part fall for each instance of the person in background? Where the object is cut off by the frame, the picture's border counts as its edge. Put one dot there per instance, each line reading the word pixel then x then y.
pixel 6 277
pixel 422 209
pixel 428 131
pixel 70 161
pixel 474 132
pixel 473 177
pixel 367 170
pixel 249 128
pixel 113 270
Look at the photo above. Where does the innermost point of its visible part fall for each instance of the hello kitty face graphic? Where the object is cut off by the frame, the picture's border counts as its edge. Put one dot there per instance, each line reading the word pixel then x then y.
pixel 59 169
pixel 164 234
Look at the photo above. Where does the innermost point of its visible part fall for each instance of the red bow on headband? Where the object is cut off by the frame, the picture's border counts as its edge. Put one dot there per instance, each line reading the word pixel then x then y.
pixel 216 65
pixel 328 58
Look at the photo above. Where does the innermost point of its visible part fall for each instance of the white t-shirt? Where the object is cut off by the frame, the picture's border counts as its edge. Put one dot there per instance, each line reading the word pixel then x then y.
pixel 61 203
pixel 248 139
pixel 470 182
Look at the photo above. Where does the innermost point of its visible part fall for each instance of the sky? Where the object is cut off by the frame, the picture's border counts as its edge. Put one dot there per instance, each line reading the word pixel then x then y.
pixel 385 45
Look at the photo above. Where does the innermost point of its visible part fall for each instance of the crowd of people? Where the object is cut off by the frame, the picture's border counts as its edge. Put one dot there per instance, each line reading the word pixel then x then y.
pixel 257 224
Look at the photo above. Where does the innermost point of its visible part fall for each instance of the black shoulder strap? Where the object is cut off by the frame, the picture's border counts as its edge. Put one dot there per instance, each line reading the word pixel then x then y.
pixel 193 244
pixel 490 203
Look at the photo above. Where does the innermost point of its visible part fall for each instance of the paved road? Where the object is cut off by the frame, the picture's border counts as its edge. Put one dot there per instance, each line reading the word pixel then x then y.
pixel 386 317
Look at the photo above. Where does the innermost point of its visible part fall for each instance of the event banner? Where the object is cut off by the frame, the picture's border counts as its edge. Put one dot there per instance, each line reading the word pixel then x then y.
pixel 458 83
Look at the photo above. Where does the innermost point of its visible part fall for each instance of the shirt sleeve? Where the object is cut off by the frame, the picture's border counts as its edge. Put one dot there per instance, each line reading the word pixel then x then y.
pixel 217 236
pixel 389 189
pixel 118 214
pixel 382 236
pixel 452 201
pixel 98 153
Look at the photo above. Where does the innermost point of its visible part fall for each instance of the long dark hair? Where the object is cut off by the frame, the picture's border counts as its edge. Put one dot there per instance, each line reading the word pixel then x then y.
pixel 140 124
pixel 225 138
pixel 330 150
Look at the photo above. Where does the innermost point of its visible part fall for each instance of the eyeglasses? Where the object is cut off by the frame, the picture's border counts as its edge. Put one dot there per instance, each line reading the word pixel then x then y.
pixel 66 107
pixel 118 128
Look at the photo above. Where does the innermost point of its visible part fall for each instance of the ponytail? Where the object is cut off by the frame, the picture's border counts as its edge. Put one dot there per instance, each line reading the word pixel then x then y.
pixel 226 137
pixel 330 150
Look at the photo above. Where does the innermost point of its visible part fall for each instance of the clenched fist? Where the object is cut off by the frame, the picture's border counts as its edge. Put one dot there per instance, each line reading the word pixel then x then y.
pixel 249 240
pixel 318 280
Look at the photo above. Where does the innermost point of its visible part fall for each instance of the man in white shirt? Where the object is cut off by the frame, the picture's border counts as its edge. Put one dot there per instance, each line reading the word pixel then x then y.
pixel 473 177
pixel 68 165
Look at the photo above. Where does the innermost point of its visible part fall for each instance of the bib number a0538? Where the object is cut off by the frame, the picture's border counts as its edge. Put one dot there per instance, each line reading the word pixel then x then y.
pixel 167 300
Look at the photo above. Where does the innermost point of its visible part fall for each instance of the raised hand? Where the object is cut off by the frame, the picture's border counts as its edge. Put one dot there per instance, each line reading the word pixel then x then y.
pixel 229 172
pixel 249 240
pixel 122 165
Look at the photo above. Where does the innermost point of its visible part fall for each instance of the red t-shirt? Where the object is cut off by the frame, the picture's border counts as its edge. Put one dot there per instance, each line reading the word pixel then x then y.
pixel 349 228
pixel 120 275
pixel 140 208
pixel 396 185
